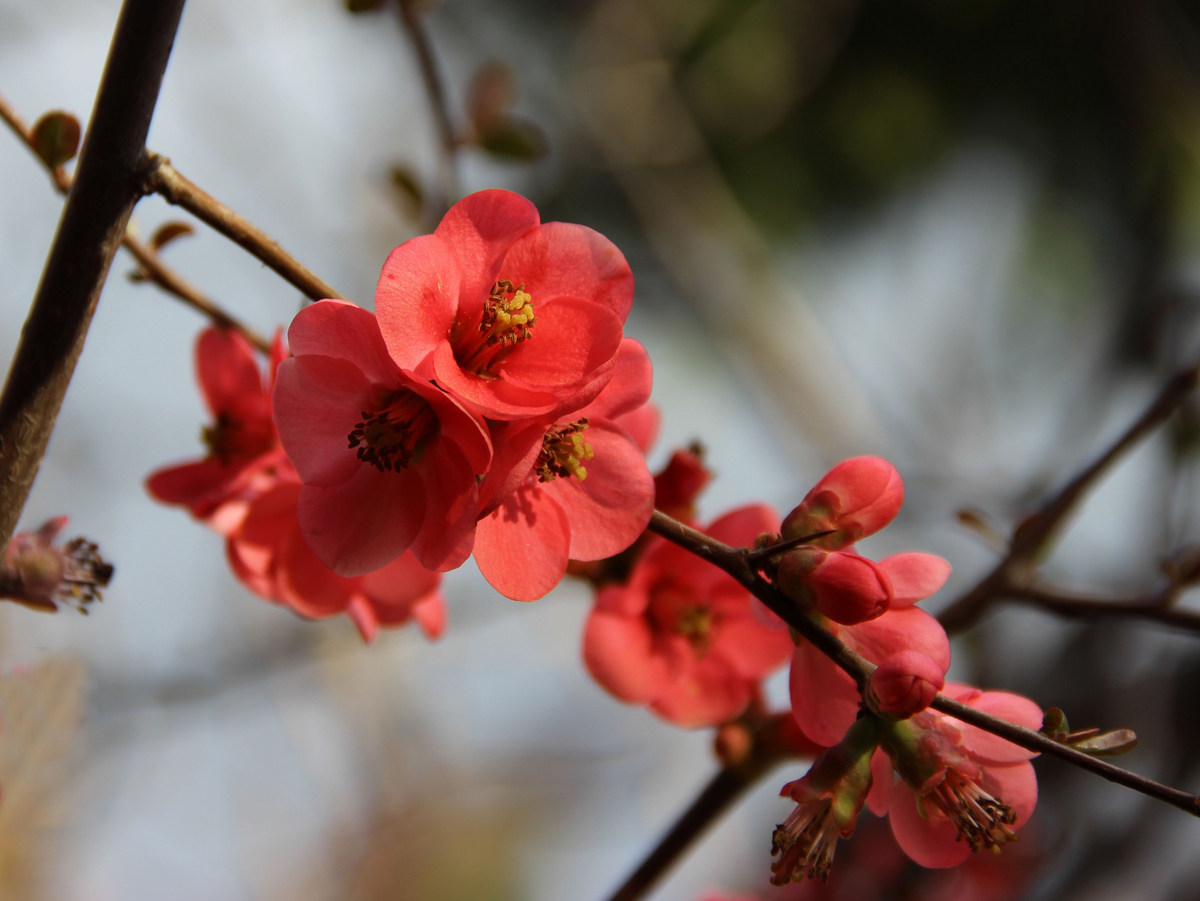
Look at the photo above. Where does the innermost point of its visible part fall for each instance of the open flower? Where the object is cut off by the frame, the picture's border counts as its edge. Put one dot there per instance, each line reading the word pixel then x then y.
pixel 578 489
pixel 961 789
pixel 269 555
pixel 243 448
pixel 388 460
pixel 513 317
pixel 681 636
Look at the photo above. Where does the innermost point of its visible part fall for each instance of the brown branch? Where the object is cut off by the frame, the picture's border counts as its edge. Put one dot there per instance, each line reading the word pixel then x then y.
pixel 733 561
pixel 107 185
pixel 1014 573
pixel 148 259
pixel 164 179
pixel 1153 608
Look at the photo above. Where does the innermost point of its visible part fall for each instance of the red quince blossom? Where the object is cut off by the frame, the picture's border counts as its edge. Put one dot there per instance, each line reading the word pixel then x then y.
pixel 824 698
pixel 961 789
pixel 388 461
pixel 513 317
pixel 681 636
pixel 38 574
pixel 269 555
pixel 570 490
pixel 828 799
pixel 243 447
pixel 856 498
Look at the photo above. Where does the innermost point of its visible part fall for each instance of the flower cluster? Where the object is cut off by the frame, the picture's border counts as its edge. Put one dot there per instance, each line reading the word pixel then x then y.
pixel 246 489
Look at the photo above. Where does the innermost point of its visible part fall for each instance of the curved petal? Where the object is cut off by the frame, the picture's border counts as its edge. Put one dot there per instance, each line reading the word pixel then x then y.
pixel 572 339
pixel 365 522
pixel 824 699
pixel 619 652
pixel 610 508
pixel 318 400
pixel 629 389
pixel 451 508
pixel 1006 706
pixel 479 230
pixel 227 370
pixel 930 842
pixel 752 649
pixel 705 694
pixel 915 576
pixel 416 300
pixel 909 628
pixel 521 547
pixel 565 259
pixel 337 328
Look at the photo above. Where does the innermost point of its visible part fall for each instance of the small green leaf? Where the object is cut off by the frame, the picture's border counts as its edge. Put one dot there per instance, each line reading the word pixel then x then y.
pixel 1054 724
pixel 490 95
pixel 510 138
pixel 56 138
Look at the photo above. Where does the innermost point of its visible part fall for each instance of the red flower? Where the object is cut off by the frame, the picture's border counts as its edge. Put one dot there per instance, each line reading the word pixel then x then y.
pixel 682 636
pixel 512 317
pixel 824 698
pixel 388 460
pixel 269 555
pixel 576 490
pixel 961 789
pixel 243 447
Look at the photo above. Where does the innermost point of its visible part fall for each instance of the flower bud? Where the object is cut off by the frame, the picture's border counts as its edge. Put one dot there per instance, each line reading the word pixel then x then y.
pixel 857 497
pixel 841 585
pixel 904 684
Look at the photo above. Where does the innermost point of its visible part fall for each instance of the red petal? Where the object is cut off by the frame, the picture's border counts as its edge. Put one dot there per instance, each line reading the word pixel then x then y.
pixel 629 389
pixel 521 547
pixel 915 576
pixel 932 842
pixel 318 400
pixel 824 699
pixel 365 522
pixel 417 299
pixel 619 652
pixel 451 507
pixel 564 259
pixel 335 328
pixel 227 370
pixel 479 230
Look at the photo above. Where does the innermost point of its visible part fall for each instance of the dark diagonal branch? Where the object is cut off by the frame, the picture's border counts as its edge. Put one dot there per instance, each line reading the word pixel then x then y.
pixel 108 183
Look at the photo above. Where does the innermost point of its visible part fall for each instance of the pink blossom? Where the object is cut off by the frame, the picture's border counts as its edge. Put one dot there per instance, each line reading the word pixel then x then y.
pixel 513 317
pixel 858 497
pixel 269 555
pixel 681 636
pixel 824 698
pixel 573 490
pixel 37 573
pixel 243 448
pixel 842 585
pixel 961 789
pixel 388 460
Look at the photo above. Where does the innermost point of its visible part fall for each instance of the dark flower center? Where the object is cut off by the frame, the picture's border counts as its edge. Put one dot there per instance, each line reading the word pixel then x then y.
pixel 564 452
pixel 394 437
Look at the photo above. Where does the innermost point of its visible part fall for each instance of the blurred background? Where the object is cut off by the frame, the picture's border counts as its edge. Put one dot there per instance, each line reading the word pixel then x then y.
pixel 960 235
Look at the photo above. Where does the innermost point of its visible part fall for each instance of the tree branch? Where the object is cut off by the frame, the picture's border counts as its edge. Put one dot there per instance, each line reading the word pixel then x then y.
pixel 151 264
pixel 107 185
pixel 164 179
pixel 733 561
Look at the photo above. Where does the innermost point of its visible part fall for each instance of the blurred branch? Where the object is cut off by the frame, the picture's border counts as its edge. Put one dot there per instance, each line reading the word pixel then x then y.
pixel 1153 608
pixel 164 179
pixel 435 91
pixel 152 267
pixel 734 562
pixel 1014 574
pixel 107 185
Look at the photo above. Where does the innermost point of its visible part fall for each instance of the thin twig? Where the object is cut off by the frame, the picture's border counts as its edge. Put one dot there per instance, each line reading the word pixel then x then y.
pixel 148 259
pixel 94 218
pixel 436 93
pixel 164 179
pixel 732 560
pixel 1030 540
pixel 1152 608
